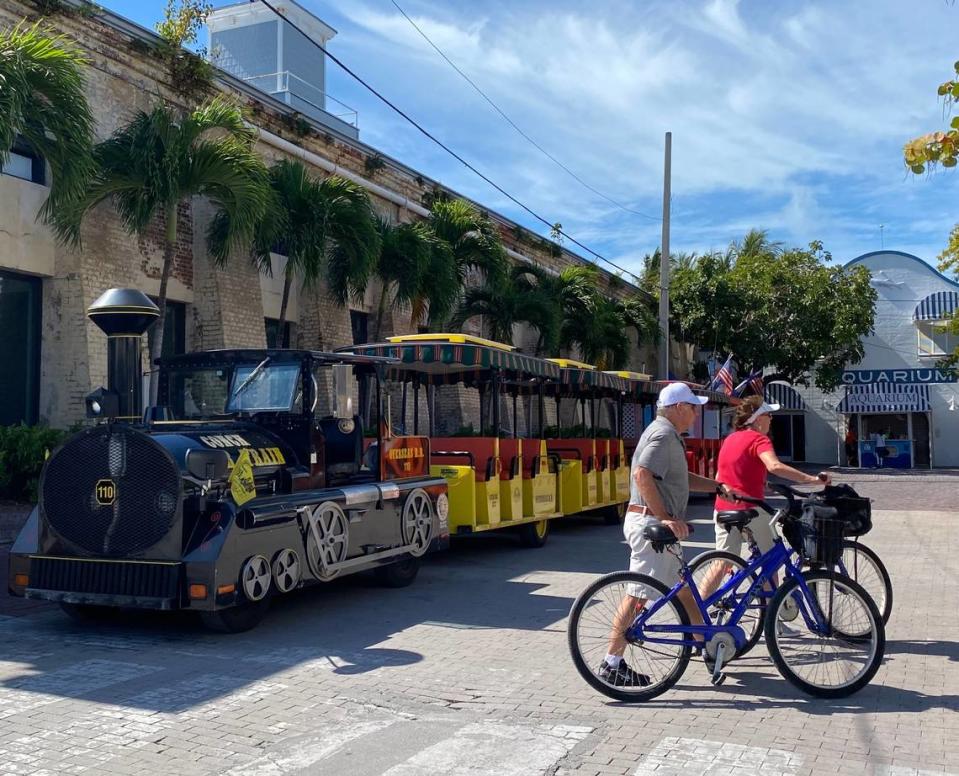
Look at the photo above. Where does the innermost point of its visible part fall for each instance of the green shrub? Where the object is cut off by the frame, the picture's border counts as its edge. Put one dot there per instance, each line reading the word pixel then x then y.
pixel 23 449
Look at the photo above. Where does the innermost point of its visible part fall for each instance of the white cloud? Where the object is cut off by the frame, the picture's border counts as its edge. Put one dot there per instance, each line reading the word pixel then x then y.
pixel 789 115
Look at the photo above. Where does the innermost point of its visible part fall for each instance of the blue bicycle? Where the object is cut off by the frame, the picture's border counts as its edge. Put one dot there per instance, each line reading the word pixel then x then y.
pixel 856 561
pixel 823 630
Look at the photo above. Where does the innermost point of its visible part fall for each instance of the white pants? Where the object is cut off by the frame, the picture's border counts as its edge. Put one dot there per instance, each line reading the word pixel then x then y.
pixel 662 566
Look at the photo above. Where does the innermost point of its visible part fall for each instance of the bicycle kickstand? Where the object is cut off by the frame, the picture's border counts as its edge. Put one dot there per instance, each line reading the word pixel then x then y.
pixel 718 676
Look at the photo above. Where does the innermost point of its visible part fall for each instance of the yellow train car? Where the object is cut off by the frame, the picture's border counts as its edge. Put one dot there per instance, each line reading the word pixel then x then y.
pixel 496 478
pixel 588 441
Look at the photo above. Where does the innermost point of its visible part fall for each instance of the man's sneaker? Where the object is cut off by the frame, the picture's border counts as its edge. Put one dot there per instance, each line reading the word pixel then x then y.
pixel 622 675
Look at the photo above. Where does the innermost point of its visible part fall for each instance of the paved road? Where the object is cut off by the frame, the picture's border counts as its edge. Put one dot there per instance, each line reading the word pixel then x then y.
pixel 467 673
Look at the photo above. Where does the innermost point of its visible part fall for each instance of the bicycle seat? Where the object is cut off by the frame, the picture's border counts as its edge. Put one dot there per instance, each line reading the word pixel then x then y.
pixel 660 536
pixel 735 518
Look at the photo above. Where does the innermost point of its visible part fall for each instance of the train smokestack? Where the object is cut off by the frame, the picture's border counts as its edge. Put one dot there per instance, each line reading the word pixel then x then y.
pixel 124 315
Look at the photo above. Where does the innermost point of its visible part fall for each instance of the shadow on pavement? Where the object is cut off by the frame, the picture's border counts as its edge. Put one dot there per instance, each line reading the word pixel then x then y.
pixel 344 626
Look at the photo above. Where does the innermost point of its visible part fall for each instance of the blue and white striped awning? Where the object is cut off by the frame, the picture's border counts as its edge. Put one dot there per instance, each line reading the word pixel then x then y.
pixel 885 397
pixel 937 306
pixel 784 395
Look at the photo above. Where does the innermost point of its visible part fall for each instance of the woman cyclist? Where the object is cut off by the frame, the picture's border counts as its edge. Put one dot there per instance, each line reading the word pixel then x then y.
pixel 746 458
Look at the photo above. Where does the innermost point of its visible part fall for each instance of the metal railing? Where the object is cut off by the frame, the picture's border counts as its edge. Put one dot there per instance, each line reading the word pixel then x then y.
pixel 286 83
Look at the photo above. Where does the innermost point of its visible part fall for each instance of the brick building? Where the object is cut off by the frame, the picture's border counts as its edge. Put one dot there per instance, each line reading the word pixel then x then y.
pixel 53 356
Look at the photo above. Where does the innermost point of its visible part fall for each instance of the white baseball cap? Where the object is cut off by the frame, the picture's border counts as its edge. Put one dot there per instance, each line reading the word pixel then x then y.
pixel 764 409
pixel 678 393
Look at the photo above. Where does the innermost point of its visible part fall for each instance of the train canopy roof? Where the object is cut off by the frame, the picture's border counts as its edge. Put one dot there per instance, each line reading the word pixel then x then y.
pixel 577 377
pixel 227 356
pixel 454 358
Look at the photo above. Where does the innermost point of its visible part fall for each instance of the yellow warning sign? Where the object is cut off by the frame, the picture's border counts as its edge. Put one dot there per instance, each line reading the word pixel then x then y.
pixel 242 485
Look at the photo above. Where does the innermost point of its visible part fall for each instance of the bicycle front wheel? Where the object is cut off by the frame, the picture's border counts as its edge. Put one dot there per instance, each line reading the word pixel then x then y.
pixel 862 564
pixel 826 661
pixel 601 616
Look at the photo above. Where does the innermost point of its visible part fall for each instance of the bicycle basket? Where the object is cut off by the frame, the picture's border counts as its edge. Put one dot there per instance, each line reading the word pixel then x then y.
pixel 817 535
pixel 853 510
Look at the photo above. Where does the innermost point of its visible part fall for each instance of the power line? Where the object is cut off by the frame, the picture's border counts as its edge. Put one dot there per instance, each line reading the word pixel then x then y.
pixel 441 144
pixel 509 121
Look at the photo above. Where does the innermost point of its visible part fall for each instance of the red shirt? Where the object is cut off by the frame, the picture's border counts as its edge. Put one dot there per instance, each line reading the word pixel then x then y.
pixel 740 466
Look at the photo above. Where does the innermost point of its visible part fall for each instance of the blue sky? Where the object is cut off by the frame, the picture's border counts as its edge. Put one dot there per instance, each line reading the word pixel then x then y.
pixel 786 116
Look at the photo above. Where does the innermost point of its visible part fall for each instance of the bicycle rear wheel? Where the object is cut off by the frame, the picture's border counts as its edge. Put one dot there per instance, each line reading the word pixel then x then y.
pixel 719 566
pixel 862 564
pixel 830 663
pixel 609 606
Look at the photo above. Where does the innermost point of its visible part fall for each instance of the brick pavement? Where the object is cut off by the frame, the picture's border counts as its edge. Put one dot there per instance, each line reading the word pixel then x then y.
pixel 467 672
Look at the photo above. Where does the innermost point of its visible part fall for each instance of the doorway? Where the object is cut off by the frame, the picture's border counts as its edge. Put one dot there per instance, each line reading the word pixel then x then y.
pixel 788 433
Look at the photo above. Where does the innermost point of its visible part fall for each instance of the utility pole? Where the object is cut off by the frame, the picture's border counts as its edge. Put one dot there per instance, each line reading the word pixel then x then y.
pixel 882 242
pixel 664 266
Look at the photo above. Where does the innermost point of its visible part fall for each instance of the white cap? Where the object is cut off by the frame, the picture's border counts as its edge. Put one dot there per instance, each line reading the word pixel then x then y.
pixel 678 393
pixel 764 409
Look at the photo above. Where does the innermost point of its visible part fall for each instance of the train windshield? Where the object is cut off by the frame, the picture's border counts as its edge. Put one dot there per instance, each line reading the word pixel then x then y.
pixel 264 387
pixel 197 393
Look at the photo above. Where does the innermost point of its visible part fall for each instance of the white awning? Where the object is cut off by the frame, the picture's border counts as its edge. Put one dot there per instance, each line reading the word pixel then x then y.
pixel 885 397
pixel 785 396
pixel 937 306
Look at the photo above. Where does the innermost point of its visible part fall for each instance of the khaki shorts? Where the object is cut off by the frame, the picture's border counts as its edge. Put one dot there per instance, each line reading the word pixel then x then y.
pixel 662 566
pixel 733 540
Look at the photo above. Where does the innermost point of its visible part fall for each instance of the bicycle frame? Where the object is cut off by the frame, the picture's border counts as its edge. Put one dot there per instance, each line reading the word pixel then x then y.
pixel 767 565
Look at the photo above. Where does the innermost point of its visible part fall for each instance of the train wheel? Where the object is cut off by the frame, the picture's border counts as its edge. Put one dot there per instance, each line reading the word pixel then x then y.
pixel 333 528
pixel 613 515
pixel 398 574
pixel 237 619
pixel 418 522
pixel 534 534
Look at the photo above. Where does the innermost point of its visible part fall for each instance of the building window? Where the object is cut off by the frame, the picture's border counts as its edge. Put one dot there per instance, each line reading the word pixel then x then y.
pixel 360 323
pixel 272 332
pixel 934 340
pixel 19 348
pixel 25 163
pixel 174 328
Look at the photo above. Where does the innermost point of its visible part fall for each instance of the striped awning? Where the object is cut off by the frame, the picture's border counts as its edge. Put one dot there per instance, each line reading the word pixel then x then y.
pixel 454 362
pixel 937 306
pixel 574 380
pixel 885 397
pixel 785 396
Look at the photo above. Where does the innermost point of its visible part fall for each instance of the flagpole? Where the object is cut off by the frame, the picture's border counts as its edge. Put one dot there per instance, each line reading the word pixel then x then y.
pixel 664 265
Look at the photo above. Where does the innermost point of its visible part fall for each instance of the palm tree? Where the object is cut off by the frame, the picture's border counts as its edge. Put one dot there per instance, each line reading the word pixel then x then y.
pixel 467 242
pixel 321 226
pixel 599 333
pixel 638 313
pixel 157 162
pixel 404 264
pixel 42 100
pixel 519 298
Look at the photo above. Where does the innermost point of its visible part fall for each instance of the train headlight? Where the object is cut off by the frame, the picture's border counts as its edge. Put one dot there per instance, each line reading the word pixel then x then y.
pixel 443 506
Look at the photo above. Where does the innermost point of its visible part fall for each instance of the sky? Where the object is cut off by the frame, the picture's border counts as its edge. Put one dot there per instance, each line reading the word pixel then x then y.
pixel 786 116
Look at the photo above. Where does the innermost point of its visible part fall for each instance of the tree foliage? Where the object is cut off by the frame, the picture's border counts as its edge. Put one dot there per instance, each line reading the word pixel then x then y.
pixel 467 246
pixel 42 100
pixel 770 306
pixel 325 228
pixel 160 160
pixel 940 148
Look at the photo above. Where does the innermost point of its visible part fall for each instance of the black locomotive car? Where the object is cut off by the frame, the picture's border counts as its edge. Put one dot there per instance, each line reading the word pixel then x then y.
pixel 241 484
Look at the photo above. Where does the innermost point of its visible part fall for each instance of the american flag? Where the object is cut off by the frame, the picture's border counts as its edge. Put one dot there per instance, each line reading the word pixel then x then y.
pixel 723 381
pixel 753 381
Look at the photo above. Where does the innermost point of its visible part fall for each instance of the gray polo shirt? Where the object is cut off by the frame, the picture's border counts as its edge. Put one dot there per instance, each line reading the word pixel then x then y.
pixel 661 450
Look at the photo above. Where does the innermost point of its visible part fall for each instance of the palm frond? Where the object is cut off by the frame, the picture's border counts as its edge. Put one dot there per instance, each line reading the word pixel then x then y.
pixel 42 99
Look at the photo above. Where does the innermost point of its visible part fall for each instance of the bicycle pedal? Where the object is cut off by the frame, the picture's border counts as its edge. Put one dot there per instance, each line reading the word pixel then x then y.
pixel 717 679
